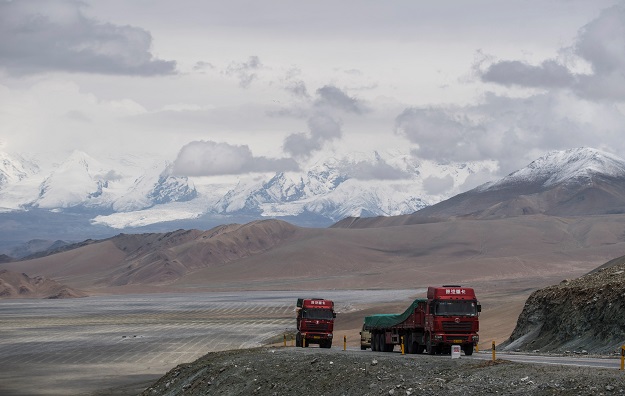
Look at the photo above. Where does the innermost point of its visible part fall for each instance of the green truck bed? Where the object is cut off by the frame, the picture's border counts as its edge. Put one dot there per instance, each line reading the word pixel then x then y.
pixel 388 320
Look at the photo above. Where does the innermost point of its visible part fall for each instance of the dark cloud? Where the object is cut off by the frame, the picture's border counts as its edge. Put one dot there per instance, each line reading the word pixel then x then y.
pixel 600 43
pixel 322 127
pixel 437 132
pixel 333 97
pixel 54 35
pixel 549 74
pixel 511 130
pixel 245 71
pixel 208 158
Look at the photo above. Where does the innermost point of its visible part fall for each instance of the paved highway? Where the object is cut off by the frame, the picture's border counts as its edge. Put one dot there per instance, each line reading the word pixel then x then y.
pixel 579 361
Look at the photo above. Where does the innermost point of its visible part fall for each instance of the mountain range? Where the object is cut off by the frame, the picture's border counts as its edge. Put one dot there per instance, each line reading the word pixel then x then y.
pixel 87 197
pixel 485 233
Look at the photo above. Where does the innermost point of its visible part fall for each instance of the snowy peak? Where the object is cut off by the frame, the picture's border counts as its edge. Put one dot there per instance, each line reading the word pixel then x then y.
pixel 570 166
pixel 574 182
pixel 14 168
pixel 79 179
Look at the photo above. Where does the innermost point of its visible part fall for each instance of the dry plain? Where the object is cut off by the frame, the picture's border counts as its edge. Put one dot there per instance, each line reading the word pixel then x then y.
pixel 94 345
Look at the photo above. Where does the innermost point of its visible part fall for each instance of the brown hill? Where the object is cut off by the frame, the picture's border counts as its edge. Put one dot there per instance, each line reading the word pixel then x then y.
pixel 524 252
pixel 16 285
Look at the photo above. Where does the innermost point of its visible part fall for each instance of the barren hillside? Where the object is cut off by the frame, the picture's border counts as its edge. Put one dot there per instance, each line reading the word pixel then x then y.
pixel 581 314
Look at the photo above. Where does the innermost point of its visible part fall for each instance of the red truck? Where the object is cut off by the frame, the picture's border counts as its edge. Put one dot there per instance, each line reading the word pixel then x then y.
pixel 448 316
pixel 315 322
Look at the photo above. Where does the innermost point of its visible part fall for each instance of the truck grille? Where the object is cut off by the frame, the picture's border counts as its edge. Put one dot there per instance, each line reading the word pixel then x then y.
pixel 456 327
pixel 320 328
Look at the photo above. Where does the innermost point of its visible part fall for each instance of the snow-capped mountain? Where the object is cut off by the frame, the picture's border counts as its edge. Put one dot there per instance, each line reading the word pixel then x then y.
pixel 581 181
pixel 132 193
pixel 577 165
pixel 15 168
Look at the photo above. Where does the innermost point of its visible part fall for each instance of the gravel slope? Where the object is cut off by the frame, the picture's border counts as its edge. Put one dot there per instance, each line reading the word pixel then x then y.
pixel 312 371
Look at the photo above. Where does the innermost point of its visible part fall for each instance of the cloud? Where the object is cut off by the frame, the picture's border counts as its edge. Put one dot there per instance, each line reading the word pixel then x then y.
pixel 297 89
pixel 599 44
pixel 208 158
pixel 380 170
pixel 513 131
pixel 39 36
pixel 548 74
pixel 331 96
pixel 322 127
pixel 245 71
pixel 438 185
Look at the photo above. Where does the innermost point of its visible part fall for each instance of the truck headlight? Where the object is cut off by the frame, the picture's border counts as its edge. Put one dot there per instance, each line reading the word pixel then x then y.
pixel 438 337
pixel 476 337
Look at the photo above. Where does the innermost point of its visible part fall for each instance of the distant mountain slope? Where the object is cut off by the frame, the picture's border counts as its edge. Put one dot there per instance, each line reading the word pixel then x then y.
pixel 574 182
pixel 16 285
pixel 275 255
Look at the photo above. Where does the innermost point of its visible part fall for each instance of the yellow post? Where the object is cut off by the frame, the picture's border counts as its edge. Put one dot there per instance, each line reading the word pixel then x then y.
pixel 477 347
pixel 304 340
pixel 292 340
pixel 344 342
pixel 285 339
pixel 622 357
pixel 494 351
pixel 402 345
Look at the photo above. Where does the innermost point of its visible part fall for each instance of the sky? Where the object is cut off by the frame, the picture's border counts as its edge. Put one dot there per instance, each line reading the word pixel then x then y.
pixel 227 88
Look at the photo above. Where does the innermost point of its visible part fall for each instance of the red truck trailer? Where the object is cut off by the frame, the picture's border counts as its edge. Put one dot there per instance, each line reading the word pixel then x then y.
pixel 315 322
pixel 448 316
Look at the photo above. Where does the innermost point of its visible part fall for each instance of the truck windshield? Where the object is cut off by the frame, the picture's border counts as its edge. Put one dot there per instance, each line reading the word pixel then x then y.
pixel 315 313
pixel 455 308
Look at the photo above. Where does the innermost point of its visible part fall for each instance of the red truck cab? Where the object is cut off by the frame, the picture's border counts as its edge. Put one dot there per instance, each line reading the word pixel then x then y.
pixel 451 318
pixel 315 322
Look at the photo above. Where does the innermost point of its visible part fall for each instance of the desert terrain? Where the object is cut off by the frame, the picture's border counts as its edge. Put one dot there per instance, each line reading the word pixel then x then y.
pixel 505 260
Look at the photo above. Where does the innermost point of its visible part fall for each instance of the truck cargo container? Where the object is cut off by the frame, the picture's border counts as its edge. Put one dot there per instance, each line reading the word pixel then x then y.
pixel 448 316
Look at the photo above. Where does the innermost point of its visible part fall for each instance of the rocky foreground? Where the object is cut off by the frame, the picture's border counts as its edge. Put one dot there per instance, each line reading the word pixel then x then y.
pixel 312 371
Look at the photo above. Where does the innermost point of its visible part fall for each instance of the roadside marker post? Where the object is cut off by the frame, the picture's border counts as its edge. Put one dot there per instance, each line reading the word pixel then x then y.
pixel 344 342
pixel 284 339
pixel 494 354
pixel 402 345
pixel 622 357
pixel 477 347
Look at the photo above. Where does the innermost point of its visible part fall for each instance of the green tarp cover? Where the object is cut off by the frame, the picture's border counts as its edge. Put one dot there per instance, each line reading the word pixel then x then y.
pixel 388 320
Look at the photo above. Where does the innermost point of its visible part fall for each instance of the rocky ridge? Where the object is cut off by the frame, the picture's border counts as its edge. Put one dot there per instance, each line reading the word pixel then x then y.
pixel 580 315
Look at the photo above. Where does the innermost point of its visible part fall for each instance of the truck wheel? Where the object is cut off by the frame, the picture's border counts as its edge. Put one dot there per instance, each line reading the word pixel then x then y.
pixel 468 349
pixel 298 340
pixel 420 348
pixel 378 343
pixel 362 347
pixel 386 347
